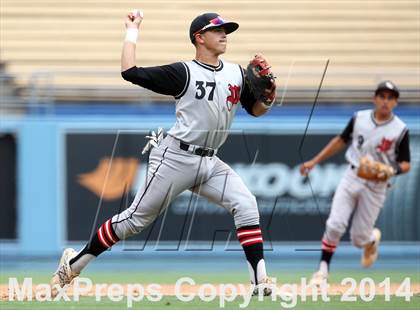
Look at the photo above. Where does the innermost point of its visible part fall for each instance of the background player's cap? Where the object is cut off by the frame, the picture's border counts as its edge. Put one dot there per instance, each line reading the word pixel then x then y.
pixel 210 21
pixel 387 85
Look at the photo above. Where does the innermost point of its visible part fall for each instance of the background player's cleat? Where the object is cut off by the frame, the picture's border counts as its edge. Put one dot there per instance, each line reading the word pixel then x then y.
pixel 370 253
pixel 265 288
pixel 63 275
pixel 318 278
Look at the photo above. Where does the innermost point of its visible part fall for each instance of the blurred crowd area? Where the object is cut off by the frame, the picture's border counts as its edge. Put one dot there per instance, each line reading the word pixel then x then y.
pixel 59 52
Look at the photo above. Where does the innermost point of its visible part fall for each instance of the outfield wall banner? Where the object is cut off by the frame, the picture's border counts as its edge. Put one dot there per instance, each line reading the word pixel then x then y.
pixel 8 214
pixel 291 207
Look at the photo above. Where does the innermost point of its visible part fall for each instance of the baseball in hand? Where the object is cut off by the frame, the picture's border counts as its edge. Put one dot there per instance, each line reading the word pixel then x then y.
pixel 135 13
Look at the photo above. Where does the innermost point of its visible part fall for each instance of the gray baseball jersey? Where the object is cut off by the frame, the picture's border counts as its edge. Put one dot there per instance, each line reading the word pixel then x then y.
pixel 205 112
pixel 206 96
pixel 378 141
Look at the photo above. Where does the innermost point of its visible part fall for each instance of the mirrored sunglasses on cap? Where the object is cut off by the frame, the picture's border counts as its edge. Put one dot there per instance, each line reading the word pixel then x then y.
pixel 217 21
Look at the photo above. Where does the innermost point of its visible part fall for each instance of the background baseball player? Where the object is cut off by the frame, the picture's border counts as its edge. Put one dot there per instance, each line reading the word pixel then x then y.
pixel 379 149
pixel 207 91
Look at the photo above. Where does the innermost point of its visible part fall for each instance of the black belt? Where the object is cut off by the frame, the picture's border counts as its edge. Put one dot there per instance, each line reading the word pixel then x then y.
pixel 198 151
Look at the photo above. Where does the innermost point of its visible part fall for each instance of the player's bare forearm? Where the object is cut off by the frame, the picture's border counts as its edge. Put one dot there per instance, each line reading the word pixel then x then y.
pixel 132 24
pixel 128 57
pixel 334 146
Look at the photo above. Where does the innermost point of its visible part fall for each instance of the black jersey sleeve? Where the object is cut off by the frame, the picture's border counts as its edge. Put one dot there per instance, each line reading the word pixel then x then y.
pixel 403 149
pixel 247 97
pixel 347 133
pixel 169 79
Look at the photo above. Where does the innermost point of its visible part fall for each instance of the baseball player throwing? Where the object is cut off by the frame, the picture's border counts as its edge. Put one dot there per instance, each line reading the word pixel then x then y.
pixel 207 92
pixel 379 149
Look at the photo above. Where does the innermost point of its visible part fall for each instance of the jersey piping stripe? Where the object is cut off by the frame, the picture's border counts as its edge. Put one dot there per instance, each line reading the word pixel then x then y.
pixel 145 191
pixel 102 238
pixel 187 83
pixel 243 79
pixel 398 142
pixel 372 117
pixel 208 67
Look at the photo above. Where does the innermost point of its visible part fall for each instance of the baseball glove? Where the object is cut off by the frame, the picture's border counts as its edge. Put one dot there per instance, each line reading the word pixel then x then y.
pixel 261 80
pixel 374 170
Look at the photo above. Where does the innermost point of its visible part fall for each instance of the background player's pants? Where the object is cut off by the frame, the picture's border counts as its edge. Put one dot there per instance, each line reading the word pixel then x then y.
pixel 172 171
pixel 364 199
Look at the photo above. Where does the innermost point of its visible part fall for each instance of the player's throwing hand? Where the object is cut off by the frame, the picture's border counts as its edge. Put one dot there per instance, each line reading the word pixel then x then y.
pixel 134 19
pixel 306 167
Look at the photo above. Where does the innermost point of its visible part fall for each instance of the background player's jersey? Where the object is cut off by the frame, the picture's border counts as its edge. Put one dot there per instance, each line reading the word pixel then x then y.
pixel 205 111
pixel 380 141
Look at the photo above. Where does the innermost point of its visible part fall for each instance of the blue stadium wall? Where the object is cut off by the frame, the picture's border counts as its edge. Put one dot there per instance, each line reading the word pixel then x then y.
pixel 57 151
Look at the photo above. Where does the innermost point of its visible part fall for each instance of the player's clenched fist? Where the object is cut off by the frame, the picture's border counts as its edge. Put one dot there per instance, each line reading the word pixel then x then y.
pixel 134 19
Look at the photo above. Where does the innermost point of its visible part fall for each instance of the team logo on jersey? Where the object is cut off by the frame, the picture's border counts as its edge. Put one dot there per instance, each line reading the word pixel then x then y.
pixel 110 178
pixel 233 98
pixel 384 146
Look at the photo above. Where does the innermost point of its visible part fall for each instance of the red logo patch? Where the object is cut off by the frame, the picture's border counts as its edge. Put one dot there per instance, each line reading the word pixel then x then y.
pixel 233 98
pixel 385 145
